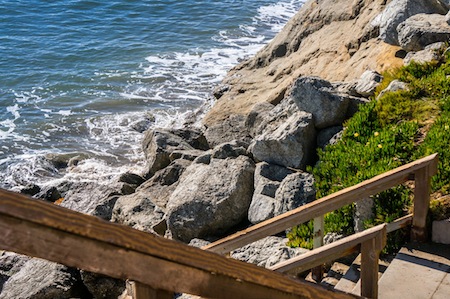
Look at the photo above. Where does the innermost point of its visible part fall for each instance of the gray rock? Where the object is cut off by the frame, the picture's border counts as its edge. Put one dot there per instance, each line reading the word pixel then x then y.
pixel 10 264
pixel 397 11
pixel 84 197
pixel 141 125
pixel 210 199
pixel 257 117
pixel 318 97
pixel 267 252
pixel 198 243
pixel 158 144
pixel 421 30
pixel 395 85
pixel 289 143
pixel 428 54
pixel 329 136
pixel 138 211
pixel 102 287
pixel 331 237
pixel 232 149
pixel 40 279
pixel 131 178
pixel 189 155
pixel 368 82
pixel 194 137
pixel 295 190
pixel 445 3
pixel 267 180
pixel 232 128
pixel 447 17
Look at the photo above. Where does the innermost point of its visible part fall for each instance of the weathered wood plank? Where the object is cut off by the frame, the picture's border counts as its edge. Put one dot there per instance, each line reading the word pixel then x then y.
pixel 142 291
pixel 323 205
pixel 370 254
pixel 48 231
pixel 328 252
pixel 319 228
pixel 399 223
pixel 422 189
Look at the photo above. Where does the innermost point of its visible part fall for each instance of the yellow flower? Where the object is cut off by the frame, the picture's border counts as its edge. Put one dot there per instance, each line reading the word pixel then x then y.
pixel 356 134
pixel 380 146
pixel 446 127
pixel 376 134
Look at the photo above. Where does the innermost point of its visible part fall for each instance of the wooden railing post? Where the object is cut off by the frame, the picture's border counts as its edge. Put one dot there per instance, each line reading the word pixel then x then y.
pixel 419 231
pixel 319 228
pixel 370 254
pixel 138 290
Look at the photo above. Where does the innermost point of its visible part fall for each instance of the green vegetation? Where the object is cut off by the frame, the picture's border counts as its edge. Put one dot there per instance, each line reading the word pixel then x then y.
pixel 395 129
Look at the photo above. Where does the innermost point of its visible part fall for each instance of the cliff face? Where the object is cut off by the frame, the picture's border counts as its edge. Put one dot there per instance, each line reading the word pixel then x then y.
pixel 331 39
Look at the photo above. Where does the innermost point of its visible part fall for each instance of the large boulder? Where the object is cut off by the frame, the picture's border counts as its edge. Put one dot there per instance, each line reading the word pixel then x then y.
pixel 158 145
pixel 210 198
pixel 288 143
pixel 268 178
pixel 40 279
pixel 295 190
pixel 397 11
pixel 267 252
pixel 318 97
pixel 231 128
pixel 421 30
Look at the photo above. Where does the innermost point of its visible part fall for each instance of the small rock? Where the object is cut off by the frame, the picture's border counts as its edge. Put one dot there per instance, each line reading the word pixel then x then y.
pixel 131 178
pixel 368 82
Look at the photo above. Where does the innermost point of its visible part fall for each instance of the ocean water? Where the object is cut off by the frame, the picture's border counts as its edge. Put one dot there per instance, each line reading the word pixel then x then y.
pixel 85 78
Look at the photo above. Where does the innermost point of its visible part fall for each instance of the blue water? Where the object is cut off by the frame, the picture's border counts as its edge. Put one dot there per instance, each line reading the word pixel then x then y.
pixel 78 76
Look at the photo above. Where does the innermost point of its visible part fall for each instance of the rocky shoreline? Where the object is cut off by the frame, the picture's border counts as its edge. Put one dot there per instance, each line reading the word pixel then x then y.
pixel 247 161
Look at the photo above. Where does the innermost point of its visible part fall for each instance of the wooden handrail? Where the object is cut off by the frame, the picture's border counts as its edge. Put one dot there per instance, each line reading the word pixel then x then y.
pixel 330 252
pixel 48 231
pixel 427 167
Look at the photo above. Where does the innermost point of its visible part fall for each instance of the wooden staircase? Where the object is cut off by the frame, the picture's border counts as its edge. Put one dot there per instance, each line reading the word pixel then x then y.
pixel 160 267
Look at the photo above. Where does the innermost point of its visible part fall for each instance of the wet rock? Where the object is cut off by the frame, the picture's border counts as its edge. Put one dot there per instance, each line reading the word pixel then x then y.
pixel 318 97
pixel 267 252
pixel 49 193
pixel 288 143
pixel 30 190
pixel 143 124
pixel 397 11
pixel 40 279
pixel 421 30
pixel 210 199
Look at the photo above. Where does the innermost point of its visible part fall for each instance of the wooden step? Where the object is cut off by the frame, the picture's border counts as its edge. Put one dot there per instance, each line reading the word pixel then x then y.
pixel 351 283
pixel 419 271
